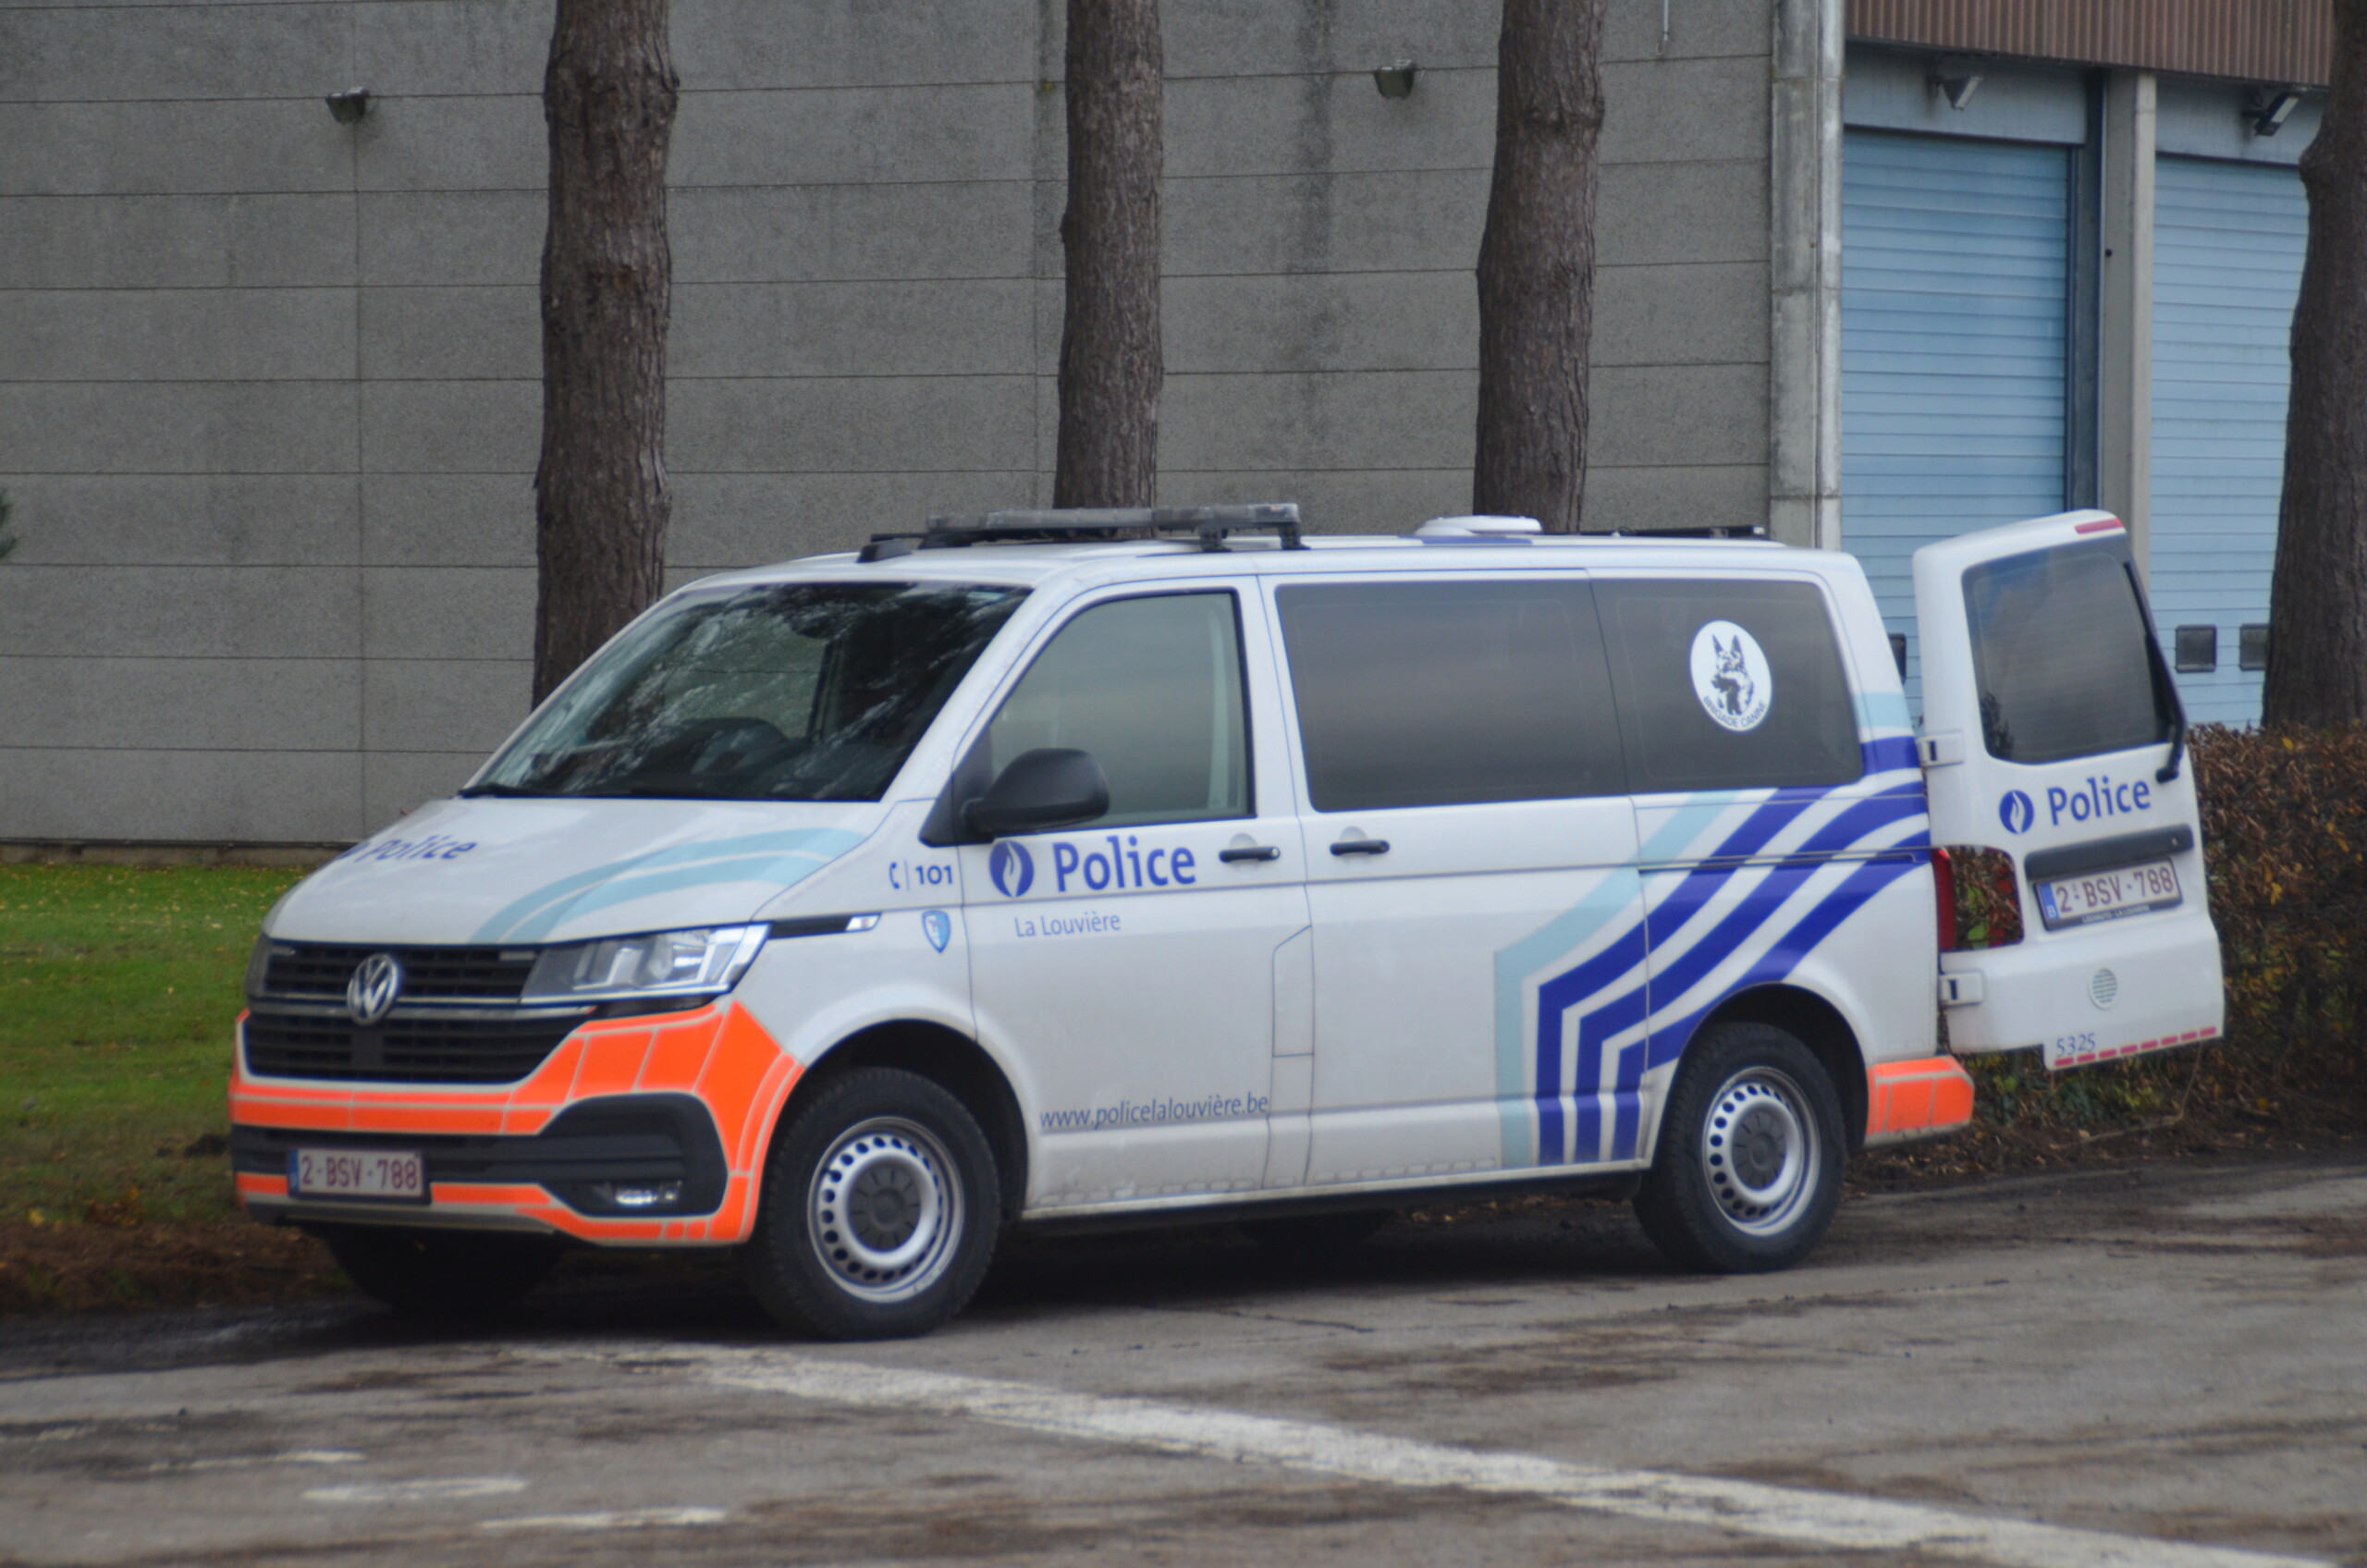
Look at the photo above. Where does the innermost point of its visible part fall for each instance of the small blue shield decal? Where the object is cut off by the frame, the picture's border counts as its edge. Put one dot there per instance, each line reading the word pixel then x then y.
pixel 938 926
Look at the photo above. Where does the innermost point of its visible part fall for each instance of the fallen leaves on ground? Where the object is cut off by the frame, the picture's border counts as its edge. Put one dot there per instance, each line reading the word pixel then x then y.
pixel 52 1268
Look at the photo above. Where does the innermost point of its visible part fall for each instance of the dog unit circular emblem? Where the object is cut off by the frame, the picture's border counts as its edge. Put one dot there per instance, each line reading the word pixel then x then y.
pixel 1731 677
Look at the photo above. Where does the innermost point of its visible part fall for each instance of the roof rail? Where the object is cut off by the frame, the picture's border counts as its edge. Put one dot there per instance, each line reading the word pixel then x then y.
pixel 1211 525
pixel 1688 531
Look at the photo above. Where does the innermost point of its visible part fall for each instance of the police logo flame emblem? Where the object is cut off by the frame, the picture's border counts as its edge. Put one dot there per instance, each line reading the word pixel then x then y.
pixel 371 994
pixel 1011 868
pixel 2016 812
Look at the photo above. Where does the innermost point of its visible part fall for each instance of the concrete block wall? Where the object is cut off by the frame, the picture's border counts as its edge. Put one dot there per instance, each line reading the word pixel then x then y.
pixel 269 396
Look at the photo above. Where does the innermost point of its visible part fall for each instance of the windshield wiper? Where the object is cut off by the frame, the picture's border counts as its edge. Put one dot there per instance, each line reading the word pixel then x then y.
pixel 659 792
pixel 507 790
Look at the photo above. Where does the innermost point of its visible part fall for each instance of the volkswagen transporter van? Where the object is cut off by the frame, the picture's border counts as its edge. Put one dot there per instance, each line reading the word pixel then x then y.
pixel 1117 867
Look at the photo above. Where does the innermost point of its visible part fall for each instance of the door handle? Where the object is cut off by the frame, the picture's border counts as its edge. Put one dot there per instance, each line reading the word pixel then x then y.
pixel 1249 851
pixel 1361 847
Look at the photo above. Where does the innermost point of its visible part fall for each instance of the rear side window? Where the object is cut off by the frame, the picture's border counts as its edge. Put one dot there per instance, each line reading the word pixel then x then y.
pixel 1729 685
pixel 1152 687
pixel 2062 657
pixel 1449 693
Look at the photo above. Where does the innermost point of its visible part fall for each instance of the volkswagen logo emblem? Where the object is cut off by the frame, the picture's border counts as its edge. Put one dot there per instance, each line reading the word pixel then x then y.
pixel 371 994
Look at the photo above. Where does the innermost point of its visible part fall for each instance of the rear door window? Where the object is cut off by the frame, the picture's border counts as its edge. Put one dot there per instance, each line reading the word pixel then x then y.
pixel 2064 661
pixel 1729 684
pixel 1450 692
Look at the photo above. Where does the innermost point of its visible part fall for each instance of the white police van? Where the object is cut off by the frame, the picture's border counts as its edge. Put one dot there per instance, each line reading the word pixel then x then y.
pixel 1109 867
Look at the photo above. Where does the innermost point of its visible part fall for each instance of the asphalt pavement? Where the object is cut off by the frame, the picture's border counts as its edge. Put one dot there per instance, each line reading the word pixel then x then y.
pixel 2155 1367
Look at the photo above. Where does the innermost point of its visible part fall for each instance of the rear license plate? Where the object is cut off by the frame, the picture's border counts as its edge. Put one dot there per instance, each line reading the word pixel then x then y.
pixel 2107 895
pixel 386 1175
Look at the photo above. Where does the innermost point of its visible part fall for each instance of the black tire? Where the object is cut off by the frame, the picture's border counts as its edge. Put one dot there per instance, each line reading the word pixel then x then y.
pixel 906 1264
pixel 1316 1235
pixel 1747 1174
pixel 441 1273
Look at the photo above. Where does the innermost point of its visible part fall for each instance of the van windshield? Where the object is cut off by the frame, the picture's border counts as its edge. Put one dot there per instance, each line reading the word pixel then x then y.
pixel 801 691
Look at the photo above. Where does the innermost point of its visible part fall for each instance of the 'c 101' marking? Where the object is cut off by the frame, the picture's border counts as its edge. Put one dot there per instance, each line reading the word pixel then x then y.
pixel 907 874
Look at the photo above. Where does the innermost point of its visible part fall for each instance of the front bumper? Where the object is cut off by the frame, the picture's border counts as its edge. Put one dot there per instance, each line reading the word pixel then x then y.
pixel 589 1148
pixel 684 1097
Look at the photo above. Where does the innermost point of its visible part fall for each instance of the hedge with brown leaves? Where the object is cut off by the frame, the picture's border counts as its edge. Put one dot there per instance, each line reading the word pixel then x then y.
pixel 2285 835
pixel 2285 844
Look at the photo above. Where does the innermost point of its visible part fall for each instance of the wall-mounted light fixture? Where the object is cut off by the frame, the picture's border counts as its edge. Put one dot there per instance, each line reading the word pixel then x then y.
pixel 1956 82
pixel 2267 108
pixel 349 106
pixel 1397 81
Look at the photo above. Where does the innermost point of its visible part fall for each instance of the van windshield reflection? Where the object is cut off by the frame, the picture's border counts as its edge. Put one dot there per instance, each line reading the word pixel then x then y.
pixel 799 692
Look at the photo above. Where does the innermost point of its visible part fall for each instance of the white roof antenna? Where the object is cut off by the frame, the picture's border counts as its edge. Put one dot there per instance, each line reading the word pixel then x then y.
pixel 1478 528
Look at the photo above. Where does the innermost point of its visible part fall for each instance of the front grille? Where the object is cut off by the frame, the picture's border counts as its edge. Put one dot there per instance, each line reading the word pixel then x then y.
pixel 404 1049
pixel 435 973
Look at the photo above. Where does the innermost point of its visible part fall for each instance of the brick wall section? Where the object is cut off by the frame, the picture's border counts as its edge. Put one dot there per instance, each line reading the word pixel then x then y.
pixel 269 402
pixel 2264 41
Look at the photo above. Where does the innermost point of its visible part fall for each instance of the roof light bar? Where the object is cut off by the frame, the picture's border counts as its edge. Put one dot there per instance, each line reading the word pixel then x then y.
pixel 1211 525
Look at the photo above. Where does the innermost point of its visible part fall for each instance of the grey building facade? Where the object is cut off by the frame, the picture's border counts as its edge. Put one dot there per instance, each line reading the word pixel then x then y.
pixel 268 382
pixel 1871 272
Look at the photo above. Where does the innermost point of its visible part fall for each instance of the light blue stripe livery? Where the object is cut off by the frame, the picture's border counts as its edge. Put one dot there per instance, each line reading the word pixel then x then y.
pixel 1617 896
pixel 777 859
pixel 1882 711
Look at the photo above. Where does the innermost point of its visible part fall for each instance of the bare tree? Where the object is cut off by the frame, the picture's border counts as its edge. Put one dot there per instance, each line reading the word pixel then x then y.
pixel 1536 263
pixel 2317 651
pixel 601 494
pixel 1111 357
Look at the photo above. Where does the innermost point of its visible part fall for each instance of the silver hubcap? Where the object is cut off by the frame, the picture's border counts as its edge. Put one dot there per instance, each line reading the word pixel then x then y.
pixel 884 1210
pixel 1760 1151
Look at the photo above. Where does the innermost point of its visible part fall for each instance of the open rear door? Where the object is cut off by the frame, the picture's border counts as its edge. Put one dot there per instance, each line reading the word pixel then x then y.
pixel 2051 731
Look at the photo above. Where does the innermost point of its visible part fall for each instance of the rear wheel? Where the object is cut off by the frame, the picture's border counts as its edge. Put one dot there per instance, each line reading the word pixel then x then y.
pixel 880 1210
pixel 441 1273
pixel 1747 1174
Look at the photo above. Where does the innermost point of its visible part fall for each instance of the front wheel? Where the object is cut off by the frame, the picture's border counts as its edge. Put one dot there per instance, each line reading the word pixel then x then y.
pixel 880 1210
pixel 1747 1174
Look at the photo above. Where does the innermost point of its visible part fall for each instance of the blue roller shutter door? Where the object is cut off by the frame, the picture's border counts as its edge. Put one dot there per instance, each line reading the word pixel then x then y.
pixel 1954 288
pixel 2228 242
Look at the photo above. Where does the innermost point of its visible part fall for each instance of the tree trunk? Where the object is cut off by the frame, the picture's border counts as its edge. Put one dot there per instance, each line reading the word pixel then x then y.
pixel 601 494
pixel 1111 359
pixel 1537 264
pixel 2317 650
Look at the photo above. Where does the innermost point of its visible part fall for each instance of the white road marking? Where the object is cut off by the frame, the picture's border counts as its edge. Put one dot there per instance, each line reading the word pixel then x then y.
pixel 624 1519
pixel 418 1491
pixel 293 1456
pixel 1831 1520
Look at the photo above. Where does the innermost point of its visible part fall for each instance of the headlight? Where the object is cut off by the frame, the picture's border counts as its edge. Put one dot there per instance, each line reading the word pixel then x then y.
pixel 258 966
pixel 668 964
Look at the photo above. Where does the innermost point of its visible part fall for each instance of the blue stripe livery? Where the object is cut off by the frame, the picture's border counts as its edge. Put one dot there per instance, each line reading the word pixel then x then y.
pixel 1734 890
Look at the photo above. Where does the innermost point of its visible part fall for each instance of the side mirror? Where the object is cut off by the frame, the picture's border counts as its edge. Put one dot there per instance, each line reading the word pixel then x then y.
pixel 1048 788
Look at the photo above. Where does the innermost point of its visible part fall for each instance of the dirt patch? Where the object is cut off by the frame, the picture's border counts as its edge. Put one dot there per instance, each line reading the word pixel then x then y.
pixel 109 1267
pixel 874 1527
pixel 1605 1361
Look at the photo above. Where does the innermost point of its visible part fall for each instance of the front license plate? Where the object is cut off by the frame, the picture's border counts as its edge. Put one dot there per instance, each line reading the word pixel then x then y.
pixel 2108 895
pixel 388 1175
